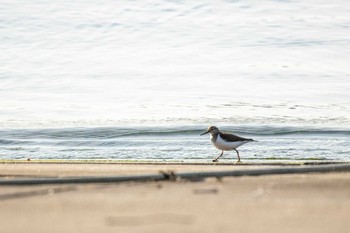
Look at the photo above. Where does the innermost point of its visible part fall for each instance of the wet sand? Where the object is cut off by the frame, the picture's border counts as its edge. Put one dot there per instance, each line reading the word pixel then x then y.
pixel 277 203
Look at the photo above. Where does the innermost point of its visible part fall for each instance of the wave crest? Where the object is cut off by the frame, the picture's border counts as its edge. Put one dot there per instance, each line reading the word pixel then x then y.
pixel 117 132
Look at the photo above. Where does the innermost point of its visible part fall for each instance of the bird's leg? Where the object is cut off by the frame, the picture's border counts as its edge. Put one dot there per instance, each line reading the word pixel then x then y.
pixel 216 159
pixel 239 159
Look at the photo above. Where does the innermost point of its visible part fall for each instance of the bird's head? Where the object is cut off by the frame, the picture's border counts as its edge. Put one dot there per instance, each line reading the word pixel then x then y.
pixel 212 130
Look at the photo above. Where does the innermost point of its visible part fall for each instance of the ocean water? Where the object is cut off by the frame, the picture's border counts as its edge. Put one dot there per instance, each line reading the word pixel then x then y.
pixel 140 80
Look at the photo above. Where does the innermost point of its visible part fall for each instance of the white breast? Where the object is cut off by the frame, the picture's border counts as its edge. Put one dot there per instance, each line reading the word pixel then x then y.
pixel 224 145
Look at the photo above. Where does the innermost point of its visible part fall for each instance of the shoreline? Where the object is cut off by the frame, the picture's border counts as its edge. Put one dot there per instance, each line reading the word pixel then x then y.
pixel 277 162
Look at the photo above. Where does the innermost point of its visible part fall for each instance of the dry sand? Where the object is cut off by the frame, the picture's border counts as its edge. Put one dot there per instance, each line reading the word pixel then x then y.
pixel 278 203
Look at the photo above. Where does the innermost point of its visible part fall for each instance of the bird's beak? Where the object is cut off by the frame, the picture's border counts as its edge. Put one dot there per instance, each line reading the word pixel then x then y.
pixel 204 133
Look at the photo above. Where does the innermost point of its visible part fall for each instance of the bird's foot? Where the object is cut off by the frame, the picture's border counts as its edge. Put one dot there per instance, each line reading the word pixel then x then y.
pixel 215 160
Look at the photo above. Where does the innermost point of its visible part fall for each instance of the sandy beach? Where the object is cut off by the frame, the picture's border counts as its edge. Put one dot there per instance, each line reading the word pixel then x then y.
pixel 276 203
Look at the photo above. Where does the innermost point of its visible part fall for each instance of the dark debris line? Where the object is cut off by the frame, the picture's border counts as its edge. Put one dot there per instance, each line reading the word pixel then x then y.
pixel 163 176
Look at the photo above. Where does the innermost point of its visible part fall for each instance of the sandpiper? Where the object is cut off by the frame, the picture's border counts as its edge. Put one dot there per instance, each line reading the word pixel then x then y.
pixel 225 142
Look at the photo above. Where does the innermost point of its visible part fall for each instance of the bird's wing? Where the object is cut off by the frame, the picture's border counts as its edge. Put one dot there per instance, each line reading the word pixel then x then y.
pixel 233 138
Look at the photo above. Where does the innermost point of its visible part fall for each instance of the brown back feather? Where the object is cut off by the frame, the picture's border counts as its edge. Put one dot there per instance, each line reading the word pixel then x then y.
pixel 233 138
